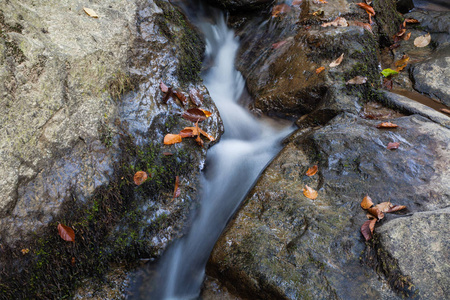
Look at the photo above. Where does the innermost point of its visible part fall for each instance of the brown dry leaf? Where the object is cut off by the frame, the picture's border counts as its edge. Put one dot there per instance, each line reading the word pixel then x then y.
pixel 181 97
pixel 195 97
pixel 73 261
pixel 338 22
pixel 393 146
pixel 66 233
pixel 185 133
pixel 422 41
pixel 140 177
pixel 395 208
pixel 387 83
pixel 177 191
pixel 163 87
pixel 168 95
pixel 445 110
pixel 384 206
pixel 312 171
pixel 403 61
pixel 411 21
pixel 90 12
pixel 198 139
pixel 194 115
pixel 337 62
pixel 25 251
pixel 367 228
pixel 368 8
pixel 366 202
pixel 387 125
pixel 318 70
pixel 357 80
pixel 280 9
pixel 374 211
pixel 310 193
pixel 366 26
pixel 195 131
pixel 318 13
pixel 207 113
pixel 407 36
pixel 171 139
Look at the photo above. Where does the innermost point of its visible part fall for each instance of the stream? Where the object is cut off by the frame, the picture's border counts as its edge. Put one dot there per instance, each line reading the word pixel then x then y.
pixel 232 167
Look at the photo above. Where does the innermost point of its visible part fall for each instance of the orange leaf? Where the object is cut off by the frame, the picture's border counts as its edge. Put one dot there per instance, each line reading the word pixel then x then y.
pixel 337 62
pixel 25 251
pixel 366 26
pixel 309 192
pixel 402 61
pixel 177 191
pixel 445 110
pixel 374 211
pixel 140 177
pixel 187 132
pixel 318 70
pixel 312 171
pixel 387 125
pixel 163 87
pixel 280 9
pixel 195 97
pixel 207 113
pixel 367 228
pixel 396 208
pixel 73 261
pixel 366 203
pixel 194 115
pixel 384 206
pixel 368 8
pixel 411 21
pixel 170 139
pixel 393 146
pixel 407 36
pixel 66 233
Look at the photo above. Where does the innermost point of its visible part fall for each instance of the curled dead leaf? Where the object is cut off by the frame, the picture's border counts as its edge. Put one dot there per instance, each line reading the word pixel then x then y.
pixel 387 125
pixel 366 202
pixel 194 115
pixel 407 36
pixel 310 193
pixel 207 113
pixel 403 61
pixel 395 208
pixel 369 9
pixel 195 97
pixel 338 22
pixel 181 97
pixel 393 146
pixel 177 191
pixel 168 95
pixel 357 80
pixel 312 171
pixel 374 211
pixel 366 26
pixel 383 206
pixel 411 21
pixel 318 70
pixel 163 87
pixel 140 177
pixel 422 41
pixel 66 233
pixel 337 62
pixel 170 139
pixel 367 229
pixel 90 12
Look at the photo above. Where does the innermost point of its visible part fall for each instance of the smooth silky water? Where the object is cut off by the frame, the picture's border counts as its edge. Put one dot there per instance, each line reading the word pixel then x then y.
pixel 232 167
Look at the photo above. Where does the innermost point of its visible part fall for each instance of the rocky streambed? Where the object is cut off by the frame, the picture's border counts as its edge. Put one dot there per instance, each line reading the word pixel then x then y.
pixel 82 111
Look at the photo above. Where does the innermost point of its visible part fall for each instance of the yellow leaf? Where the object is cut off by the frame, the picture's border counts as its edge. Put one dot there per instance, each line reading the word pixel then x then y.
pixel 170 139
pixel 90 12
pixel 312 171
pixel 207 113
pixel 309 192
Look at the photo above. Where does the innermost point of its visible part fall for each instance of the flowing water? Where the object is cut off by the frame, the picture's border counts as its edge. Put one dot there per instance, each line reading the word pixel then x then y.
pixel 232 167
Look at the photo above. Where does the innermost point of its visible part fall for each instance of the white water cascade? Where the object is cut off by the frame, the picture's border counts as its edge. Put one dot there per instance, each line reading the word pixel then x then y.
pixel 233 165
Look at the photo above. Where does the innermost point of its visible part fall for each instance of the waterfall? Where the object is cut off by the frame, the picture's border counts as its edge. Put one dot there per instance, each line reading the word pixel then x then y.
pixel 233 165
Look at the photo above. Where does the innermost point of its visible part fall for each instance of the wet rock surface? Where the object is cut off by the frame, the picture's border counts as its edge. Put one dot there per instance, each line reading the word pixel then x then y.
pixel 82 111
pixel 284 245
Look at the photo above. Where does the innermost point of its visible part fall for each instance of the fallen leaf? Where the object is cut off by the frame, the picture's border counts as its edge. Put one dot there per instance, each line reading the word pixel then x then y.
pixel 394 46
pixel 90 12
pixel 318 70
pixel 168 95
pixel 366 202
pixel 387 83
pixel 407 36
pixel 411 21
pixel 338 22
pixel 194 115
pixel 207 113
pixel 368 8
pixel 66 233
pixel 383 206
pixel 309 192
pixel 393 146
pixel 170 139
pixel 321 1
pixel 186 133
pixel 366 26
pixel 395 208
pixel 194 131
pixel 140 177
pixel 177 191
pixel 312 171
pixel 318 13
pixel 387 125
pixel 402 62
pixel 374 211
pixel 445 110
pixel 388 72
pixel 422 41
pixel 73 261
pixel 195 97
pixel 198 139
pixel 25 251
pixel 181 97
pixel 357 80
pixel 163 87
pixel 337 62
pixel 367 228
pixel 280 9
